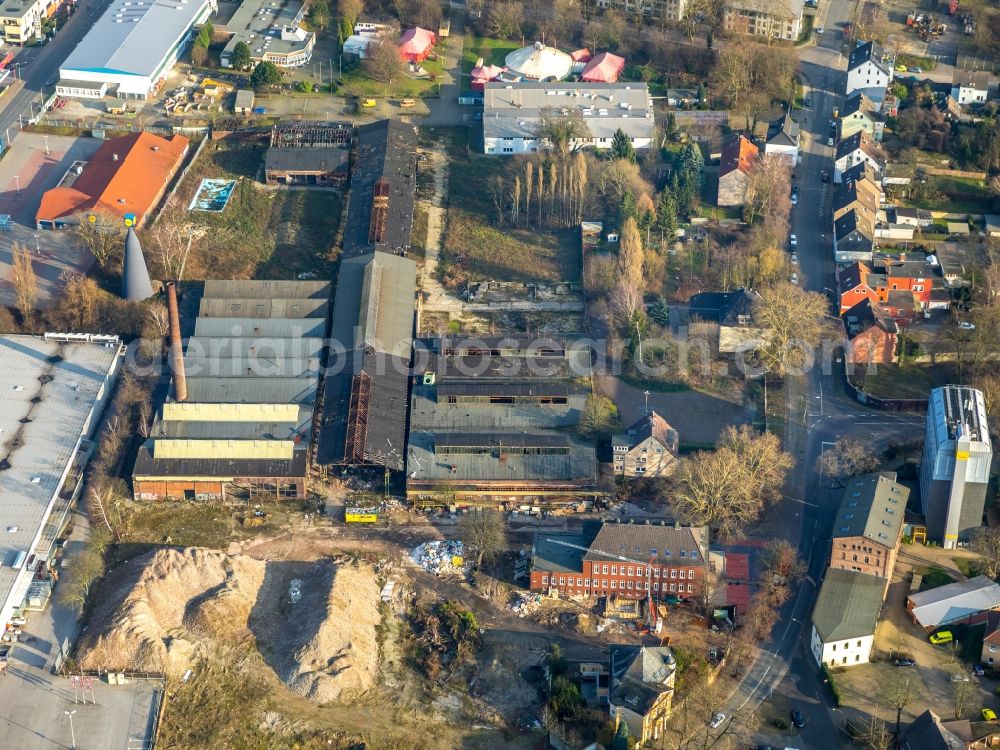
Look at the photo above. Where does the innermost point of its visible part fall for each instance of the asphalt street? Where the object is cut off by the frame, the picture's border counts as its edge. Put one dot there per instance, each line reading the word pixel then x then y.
pixel 37 65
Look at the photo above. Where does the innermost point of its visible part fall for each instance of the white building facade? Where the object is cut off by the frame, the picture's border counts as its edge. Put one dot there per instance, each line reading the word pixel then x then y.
pixel 845 653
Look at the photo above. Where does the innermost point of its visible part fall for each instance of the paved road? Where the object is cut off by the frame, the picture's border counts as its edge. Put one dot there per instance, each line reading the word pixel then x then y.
pixel 41 64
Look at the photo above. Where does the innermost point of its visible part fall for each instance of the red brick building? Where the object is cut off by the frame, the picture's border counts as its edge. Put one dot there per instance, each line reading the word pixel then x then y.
pixel 624 560
pixel 872 335
pixel 886 284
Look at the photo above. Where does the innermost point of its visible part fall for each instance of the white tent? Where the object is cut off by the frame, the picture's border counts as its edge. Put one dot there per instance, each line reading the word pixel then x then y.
pixel 540 63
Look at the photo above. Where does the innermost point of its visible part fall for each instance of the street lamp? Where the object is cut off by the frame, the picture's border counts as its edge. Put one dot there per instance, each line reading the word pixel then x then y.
pixel 17 182
pixel 72 734
pixel 46 144
pixel 38 248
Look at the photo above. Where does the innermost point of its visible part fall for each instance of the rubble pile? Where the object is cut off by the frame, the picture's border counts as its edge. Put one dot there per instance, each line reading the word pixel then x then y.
pixel 526 604
pixel 440 557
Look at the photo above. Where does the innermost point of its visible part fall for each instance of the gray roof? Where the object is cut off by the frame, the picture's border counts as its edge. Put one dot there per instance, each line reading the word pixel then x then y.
pixel 259 24
pixel 873 506
pixel 374 305
pixel 148 466
pixel 640 675
pixel 244 98
pixel 954 601
pixel 247 289
pixel 867 52
pixel 384 150
pixel 662 543
pixel 926 732
pixel 197 430
pixel 430 410
pixel 514 110
pixel 979 80
pixel 266 327
pixel 575 469
pixel 240 390
pixel 258 307
pixel 266 349
pixel 848 605
pixel 134 38
pixel 40 438
pixel 136 285
pixel 785 132
pixel 307 159
pixel 235 367
pixel 551 553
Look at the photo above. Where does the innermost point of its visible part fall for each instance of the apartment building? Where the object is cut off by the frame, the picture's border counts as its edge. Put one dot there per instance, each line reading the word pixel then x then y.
pixel 773 19
pixel 22 19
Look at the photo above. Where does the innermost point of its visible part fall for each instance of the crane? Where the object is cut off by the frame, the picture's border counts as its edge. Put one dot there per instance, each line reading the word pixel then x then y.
pixel 649 571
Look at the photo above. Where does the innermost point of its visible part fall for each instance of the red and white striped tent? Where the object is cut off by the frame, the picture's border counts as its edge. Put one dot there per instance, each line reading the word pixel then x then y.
pixel 415 44
pixel 603 68
pixel 483 74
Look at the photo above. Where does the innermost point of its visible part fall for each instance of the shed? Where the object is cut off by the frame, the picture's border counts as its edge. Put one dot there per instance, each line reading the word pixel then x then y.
pixel 415 44
pixel 958 228
pixel 992 224
pixel 954 602
pixel 244 102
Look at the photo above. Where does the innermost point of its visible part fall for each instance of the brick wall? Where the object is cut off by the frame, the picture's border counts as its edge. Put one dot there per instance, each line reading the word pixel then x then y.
pixel 628 580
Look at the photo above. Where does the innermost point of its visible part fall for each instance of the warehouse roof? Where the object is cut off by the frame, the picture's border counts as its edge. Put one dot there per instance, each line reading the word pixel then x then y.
pixel 430 410
pixel 215 390
pixel 126 175
pixel 267 327
pixel 847 606
pixel 384 163
pixel 954 601
pixel 515 110
pixel 257 307
pixel 48 393
pixel 252 367
pixel 873 506
pixel 500 440
pixel 502 388
pixel 374 304
pixel 245 289
pixel 147 467
pixel 133 38
pixel 307 159
pixel 266 349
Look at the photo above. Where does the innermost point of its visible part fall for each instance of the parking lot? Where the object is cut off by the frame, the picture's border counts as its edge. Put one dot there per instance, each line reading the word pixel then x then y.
pixel 34 164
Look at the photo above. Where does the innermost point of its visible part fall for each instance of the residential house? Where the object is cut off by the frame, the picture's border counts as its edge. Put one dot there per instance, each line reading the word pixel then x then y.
pixel 733 311
pixel 641 689
pixel 990 654
pixel 845 618
pixel 991 225
pixel 928 732
pixel 682 97
pixel 968 602
pixel 856 282
pixel 861 113
pixel 910 278
pixel 869 525
pixel 665 10
pixel 670 559
pixel 857 149
pixel 852 239
pixel 772 19
pixel 783 140
pixel 860 196
pixel 872 334
pixel 914 217
pixel 910 275
pixel 975 735
pixel 739 156
pixel 648 448
pixel 869 70
pixel 970 87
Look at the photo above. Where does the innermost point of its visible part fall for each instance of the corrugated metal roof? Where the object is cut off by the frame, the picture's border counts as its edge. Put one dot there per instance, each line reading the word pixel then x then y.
pixel 221 468
pixel 265 349
pixel 235 367
pixel 540 388
pixel 252 390
pixel 279 327
pixel 375 309
pixel 257 307
pixel 134 38
pixel 39 437
pixel 259 289
pixel 955 601
pixel 500 440
pixel 427 413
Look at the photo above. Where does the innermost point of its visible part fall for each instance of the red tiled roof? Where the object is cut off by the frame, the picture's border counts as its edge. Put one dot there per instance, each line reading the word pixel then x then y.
pixel 126 175
pixel 737 566
pixel 738 595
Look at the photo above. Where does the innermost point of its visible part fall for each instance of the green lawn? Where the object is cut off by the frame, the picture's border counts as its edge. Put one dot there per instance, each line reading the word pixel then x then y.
pixel 908 381
pixel 934 577
pixel 357 83
pixel 477 248
pixel 916 61
pixel 493 51
pixel 961 195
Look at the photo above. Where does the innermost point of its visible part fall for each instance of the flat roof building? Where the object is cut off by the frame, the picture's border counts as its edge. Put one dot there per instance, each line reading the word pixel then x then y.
pixel 272 29
pixel 491 420
pixel 52 392
pixel 238 420
pixel 383 189
pixel 127 176
pixel 955 469
pixel 953 602
pixel 513 114
pixel 131 48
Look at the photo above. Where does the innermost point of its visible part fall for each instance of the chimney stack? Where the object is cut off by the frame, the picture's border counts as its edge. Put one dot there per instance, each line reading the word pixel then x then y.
pixel 176 352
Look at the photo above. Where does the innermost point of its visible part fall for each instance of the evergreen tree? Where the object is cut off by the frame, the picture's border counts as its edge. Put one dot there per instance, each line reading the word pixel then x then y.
pixel 666 215
pixel 627 208
pixel 622 737
pixel 205 34
pixel 659 312
pixel 266 73
pixel 702 95
pixel 621 146
pixel 671 126
pixel 240 57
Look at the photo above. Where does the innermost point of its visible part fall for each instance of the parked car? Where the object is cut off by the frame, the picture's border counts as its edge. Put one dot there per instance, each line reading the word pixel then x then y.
pixel 717 720
pixel 367 103
pixel 989 714
pixel 944 636
pixel 407 103
pixel 793 241
pixel 795 259
pixel 967 326
pixel 807 102
pixel 798 719
pixel 51 82
pixel 794 278
pixel 819 30
pixel 795 195
pixel 979 670
pixel 914 70
pixel 901 68
pixel 905 663
pixel 824 176
pixel 960 678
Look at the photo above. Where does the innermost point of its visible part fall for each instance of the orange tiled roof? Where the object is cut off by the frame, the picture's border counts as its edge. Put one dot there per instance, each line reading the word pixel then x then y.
pixel 129 184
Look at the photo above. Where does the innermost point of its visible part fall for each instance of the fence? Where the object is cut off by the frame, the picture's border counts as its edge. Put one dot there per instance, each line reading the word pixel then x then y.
pixel 180 179
pixel 975 62
pixel 883 404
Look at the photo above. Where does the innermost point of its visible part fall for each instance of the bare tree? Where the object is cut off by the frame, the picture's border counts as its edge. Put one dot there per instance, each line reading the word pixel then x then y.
pixel 849 457
pixel 782 564
pixel 25 280
pixel 630 255
pixel 626 300
pixel 986 544
pixel 562 130
pixel 794 321
pixel 965 697
pixel 103 235
pixel 504 19
pixel 170 237
pixel 874 734
pixel 901 689
pixel 729 488
pixel 383 62
pixel 484 532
